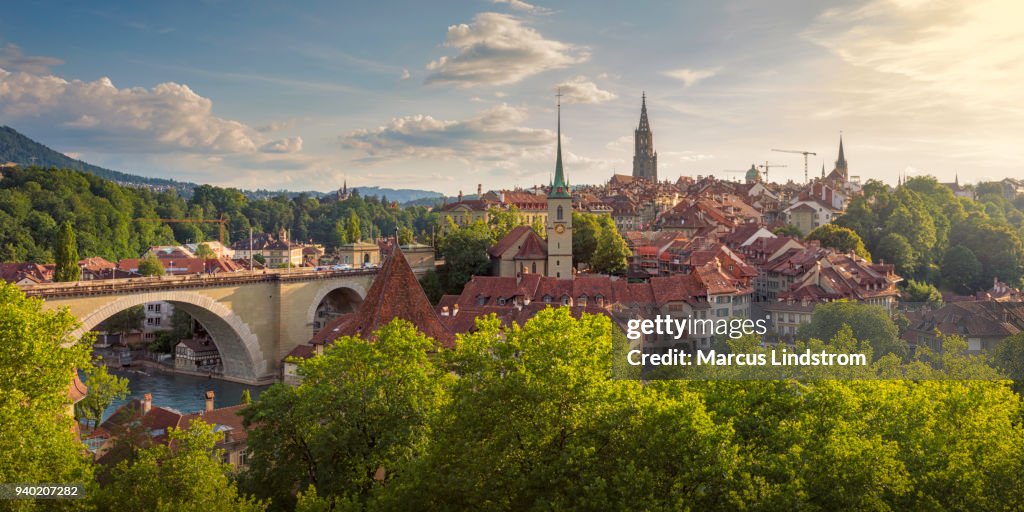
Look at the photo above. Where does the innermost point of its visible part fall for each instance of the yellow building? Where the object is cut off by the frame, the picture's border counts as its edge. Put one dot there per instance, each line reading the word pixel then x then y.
pixel 358 254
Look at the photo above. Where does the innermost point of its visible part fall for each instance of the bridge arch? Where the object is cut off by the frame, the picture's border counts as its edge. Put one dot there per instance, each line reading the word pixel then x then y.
pixel 349 295
pixel 240 351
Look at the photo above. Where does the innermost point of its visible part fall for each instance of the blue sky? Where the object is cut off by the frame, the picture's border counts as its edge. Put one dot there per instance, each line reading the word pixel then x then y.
pixel 446 95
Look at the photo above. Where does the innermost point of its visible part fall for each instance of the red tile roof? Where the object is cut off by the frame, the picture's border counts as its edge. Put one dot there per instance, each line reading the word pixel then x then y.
pixel 395 293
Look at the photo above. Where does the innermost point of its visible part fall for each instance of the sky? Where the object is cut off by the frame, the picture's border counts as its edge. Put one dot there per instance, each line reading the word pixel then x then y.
pixel 447 95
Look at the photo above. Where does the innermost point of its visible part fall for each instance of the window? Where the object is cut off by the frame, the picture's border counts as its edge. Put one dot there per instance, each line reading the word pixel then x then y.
pixel 559 214
pixel 153 321
pixel 155 308
pixel 534 267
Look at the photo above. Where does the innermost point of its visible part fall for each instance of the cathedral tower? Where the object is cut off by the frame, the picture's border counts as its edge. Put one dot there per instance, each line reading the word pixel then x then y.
pixel 645 159
pixel 559 228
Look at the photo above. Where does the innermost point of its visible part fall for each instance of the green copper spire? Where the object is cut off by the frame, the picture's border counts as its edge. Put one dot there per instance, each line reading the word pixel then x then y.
pixel 559 188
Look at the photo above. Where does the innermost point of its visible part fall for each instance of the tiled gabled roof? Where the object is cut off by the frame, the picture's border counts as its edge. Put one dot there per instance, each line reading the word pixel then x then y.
pixel 395 293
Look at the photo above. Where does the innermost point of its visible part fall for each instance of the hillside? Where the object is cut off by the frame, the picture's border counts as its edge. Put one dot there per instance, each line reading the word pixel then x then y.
pixel 17 148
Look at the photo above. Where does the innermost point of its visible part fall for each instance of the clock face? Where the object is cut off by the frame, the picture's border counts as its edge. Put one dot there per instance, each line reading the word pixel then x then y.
pixel 559 228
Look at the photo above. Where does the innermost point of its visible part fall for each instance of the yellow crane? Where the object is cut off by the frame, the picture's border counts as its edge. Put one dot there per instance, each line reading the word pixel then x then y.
pixel 767 166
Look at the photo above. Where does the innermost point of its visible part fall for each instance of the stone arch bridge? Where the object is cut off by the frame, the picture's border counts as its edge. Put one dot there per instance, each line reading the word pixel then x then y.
pixel 254 318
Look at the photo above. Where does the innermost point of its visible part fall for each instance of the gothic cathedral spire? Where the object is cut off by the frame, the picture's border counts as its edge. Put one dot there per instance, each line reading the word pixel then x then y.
pixel 645 159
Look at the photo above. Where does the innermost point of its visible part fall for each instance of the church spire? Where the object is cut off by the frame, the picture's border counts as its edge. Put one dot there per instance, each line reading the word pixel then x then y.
pixel 841 161
pixel 645 159
pixel 645 126
pixel 558 187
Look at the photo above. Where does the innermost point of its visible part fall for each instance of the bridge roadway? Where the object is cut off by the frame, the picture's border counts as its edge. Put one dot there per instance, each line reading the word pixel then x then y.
pixel 254 317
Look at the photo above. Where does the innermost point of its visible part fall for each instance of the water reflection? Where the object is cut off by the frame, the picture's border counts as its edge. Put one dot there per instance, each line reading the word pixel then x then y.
pixel 183 393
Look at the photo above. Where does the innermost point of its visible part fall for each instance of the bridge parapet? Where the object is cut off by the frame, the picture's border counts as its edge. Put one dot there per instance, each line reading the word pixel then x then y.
pixel 144 284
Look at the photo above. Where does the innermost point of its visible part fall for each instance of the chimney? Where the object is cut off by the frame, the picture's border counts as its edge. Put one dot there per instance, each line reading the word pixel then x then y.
pixel 444 310
pixel 455 309
pixel 479 190
pixel 460 196
pixel 147 403
pixel 209 401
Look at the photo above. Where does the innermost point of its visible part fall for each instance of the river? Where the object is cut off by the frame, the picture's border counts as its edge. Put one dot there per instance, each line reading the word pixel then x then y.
pixel 183 393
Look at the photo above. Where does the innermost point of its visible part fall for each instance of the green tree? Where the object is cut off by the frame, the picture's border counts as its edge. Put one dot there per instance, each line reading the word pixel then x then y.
pixel 502 221
pixel 585 231
pixel 67 256
pixel 405 236
pixel 612 253
pixel 894 248
pixel 185 474
pixel 204 251
pixel 537 422
pixel 39 357
pixel 920 291
pixel 150 265
pixel 465 255
pixel 961 269
pixel 354 233
pixel 868 322
pixel 340 233
pixel 258 258
pixel 1008 357
pixel 356 420
pixel 788 230
pixel 432 286
pixel 104 388
pixel 840 238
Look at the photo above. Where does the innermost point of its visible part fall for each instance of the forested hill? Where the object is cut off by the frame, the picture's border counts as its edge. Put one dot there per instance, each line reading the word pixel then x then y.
pixel 115 221
pixel 17 148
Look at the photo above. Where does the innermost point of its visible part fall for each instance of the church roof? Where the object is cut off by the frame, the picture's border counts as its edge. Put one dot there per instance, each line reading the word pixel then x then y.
pixel 559 188
pixel 395 293
pixel 533 248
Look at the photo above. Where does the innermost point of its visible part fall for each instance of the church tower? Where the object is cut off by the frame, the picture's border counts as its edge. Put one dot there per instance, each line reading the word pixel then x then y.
pixel 841 161
pixel 645 159
pixel 559 228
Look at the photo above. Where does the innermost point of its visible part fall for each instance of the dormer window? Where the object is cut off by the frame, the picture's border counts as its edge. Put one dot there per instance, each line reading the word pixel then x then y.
pixel 547 299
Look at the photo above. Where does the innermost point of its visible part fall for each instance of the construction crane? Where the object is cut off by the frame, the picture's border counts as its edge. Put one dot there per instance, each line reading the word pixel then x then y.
pixel 767 166
pixel 731 171
pixel 807 177
pixel 222 221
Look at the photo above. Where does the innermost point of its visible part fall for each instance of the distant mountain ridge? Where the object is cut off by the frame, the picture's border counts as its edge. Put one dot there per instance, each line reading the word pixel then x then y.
pixel 17 148
pixel 22 150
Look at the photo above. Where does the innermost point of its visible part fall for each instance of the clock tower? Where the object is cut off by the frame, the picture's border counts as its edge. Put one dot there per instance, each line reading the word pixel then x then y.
pixel 559 228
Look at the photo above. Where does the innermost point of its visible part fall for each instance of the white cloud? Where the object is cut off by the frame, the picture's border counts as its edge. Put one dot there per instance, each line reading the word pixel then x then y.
pixel 167 117
pixel 581 90
pixel 287 145
pixel 973 51
pixel 520 5
pixel 277 126
pixel 405 75
pixel 497 49
pixel 11 57
pixel 690 77
pixel 492 134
